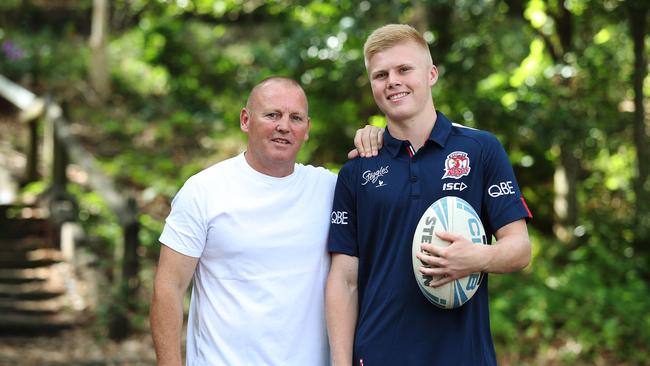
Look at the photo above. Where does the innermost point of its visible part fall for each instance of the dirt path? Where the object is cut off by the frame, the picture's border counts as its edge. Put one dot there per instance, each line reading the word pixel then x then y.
pixel 75 347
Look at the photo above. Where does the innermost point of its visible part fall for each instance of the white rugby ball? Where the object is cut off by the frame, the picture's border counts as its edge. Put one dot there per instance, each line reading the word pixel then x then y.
pixel 455 215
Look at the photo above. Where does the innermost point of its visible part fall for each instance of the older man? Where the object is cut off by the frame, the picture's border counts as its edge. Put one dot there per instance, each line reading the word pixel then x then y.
pixel 251 232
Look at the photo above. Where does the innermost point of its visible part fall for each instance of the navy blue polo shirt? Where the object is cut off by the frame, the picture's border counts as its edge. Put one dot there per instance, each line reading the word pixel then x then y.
pixel 377 204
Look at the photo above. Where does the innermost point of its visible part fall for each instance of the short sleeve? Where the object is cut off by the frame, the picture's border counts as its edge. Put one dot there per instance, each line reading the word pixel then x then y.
pixel 502 196
pixel 185 228
pixel 343 234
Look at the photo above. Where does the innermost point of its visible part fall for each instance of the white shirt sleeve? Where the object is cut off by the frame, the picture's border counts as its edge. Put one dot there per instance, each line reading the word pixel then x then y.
pixel 185 228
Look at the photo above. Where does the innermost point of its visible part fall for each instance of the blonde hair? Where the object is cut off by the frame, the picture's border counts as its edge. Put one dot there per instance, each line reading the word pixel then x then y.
pixel 391 35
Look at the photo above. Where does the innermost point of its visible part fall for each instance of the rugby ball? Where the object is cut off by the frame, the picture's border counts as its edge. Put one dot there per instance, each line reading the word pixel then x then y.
pixel 455 215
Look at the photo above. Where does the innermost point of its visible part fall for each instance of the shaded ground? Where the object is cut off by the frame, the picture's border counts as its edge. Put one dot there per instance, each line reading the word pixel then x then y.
pixel 75 347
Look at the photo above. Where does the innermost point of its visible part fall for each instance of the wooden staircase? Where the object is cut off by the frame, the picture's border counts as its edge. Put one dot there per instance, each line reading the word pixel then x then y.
pixel 37 283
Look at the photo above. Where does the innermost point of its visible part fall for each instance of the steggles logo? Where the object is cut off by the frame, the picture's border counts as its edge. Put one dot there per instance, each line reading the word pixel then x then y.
pixel 373 177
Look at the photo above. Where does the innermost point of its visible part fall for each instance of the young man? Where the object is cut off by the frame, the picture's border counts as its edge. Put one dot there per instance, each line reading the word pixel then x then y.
pixel 251 233
pixel 376 315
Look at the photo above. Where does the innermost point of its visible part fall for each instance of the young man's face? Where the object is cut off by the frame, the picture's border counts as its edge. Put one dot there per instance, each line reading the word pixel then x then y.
pixel 277 124
pixel 401 78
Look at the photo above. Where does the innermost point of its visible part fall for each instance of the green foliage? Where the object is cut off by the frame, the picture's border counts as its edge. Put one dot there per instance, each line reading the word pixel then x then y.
pixel 42 57
pixel 97 220
pixel 181 71
pixel 586 302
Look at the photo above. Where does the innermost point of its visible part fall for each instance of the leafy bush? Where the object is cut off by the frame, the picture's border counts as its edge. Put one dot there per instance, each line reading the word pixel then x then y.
pixel 572 306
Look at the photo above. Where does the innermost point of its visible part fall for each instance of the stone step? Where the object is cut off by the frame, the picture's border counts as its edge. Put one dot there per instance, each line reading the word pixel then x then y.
pixel 13 228
pixel 29 258
pixel 39 291
pixel 17 323
pixel 26 242
pixel 52 287
pixel 23 275
pixel 47 306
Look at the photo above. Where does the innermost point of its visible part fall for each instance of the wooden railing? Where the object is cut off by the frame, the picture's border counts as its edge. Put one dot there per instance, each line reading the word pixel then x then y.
pixel 60 147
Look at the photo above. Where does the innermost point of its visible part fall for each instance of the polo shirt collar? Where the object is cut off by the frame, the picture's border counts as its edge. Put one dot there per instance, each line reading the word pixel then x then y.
pixel 439 135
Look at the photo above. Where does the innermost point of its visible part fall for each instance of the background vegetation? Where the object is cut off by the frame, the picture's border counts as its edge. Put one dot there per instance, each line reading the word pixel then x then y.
pixel 155 94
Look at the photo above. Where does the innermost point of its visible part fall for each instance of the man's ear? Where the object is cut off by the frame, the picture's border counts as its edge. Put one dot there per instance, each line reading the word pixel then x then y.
pixel 433 75
pixel 308 128
pixel 244 119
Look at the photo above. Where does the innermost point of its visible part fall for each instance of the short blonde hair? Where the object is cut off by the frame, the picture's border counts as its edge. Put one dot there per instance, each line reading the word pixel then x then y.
pixel 389 36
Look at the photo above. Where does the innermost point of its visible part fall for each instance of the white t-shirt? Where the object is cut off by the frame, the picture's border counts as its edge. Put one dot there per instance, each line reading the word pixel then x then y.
pixel 258 290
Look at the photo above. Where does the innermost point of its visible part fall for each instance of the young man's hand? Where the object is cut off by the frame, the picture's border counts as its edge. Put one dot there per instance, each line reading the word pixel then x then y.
pixel 367 142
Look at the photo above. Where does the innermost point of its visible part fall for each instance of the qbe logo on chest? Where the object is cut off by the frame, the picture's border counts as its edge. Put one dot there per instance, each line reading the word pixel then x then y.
pixel 457 165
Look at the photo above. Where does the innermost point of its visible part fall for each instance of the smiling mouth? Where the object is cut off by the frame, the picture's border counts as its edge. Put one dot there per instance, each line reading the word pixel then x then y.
pixel 281 141
pixel 397 96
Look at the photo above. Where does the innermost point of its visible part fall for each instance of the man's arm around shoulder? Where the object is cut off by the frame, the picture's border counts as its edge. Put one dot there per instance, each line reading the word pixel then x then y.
pixel 173 276
pixel 341 304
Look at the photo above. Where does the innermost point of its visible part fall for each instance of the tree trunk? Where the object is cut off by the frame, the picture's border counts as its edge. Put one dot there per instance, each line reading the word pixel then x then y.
pixel 566 176
pixel 637 19
pixel 98 70
pixel 420 16
pixel 564 203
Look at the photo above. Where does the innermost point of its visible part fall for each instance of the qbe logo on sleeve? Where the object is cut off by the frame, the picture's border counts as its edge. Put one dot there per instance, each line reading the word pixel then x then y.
pixel 340 217
pixel 501 189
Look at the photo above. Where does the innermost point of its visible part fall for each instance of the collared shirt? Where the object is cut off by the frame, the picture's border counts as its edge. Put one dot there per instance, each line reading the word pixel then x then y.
pixel 377 204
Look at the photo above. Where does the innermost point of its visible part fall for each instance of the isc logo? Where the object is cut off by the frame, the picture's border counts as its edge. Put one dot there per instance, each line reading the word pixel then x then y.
pixel 340 217
pixel 460 186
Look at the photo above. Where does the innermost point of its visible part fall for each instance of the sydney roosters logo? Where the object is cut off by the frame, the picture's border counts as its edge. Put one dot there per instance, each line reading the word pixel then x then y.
pixel 457 165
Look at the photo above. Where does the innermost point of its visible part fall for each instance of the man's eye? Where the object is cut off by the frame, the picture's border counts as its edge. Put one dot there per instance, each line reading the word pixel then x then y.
pixel 297 118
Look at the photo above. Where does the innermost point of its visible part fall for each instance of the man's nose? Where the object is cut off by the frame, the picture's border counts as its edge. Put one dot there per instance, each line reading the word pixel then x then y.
pixel 393 80
pixel 283 124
